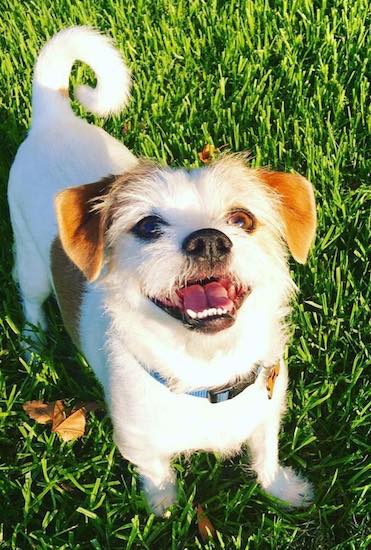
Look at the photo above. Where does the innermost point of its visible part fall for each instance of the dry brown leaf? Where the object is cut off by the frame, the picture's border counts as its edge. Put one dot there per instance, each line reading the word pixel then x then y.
pixel 39 411
pixel 67 427
pixel 205 527
pixel 125 128
pixel 71 427
pixel 58 414
pixel 207 153
pixel 66 487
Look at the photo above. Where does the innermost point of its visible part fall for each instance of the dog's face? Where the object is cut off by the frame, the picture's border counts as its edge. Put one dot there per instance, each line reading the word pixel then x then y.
pixel 192 248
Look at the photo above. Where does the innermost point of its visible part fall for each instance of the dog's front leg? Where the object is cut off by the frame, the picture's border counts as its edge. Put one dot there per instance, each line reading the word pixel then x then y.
pixel 139 429
pixel 159 484
pixel 157 477
pixel 275 479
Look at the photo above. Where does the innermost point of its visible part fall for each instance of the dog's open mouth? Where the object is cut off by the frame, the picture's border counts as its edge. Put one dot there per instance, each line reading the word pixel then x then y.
pixel 207 305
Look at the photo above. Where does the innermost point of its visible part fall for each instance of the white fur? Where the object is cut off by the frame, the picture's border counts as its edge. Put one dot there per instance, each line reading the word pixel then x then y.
pixel 53 69
pixel 123 334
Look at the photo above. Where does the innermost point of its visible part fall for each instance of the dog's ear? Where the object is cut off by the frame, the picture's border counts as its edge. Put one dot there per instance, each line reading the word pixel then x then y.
pixel 298 210
pixel 82 225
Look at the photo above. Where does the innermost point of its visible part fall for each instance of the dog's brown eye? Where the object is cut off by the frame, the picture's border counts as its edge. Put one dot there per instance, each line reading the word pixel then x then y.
pixel 243 219
pixel 149 228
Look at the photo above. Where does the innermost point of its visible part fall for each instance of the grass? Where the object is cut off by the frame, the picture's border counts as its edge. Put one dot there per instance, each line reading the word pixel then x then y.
pixel 288 81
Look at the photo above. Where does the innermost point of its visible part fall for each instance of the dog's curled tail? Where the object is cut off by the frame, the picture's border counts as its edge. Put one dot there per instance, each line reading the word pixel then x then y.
pixel 50 99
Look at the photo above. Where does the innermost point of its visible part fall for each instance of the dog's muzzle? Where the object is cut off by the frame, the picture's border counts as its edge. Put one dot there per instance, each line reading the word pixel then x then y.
pixel 209 302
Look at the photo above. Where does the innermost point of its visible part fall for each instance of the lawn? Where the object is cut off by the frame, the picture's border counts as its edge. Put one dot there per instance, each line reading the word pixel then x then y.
pixel 286 80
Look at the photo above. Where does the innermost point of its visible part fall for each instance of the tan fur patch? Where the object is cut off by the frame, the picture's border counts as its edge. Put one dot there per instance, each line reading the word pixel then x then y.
pixel 69 284
pixel 81 226
pixel 298 209
pixel 64 92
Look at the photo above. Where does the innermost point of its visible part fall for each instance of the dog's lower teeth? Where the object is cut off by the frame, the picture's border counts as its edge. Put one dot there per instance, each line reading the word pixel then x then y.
pixel 192 314
pixel 212 312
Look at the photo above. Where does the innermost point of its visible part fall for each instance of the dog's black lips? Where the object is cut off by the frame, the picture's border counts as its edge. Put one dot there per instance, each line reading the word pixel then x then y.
pixel 211 324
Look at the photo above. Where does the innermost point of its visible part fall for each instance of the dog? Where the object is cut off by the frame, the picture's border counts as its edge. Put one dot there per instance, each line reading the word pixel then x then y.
pixel 174 283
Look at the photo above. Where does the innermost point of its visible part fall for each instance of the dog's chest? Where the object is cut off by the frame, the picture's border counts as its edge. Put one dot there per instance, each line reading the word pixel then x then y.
pixel 178 423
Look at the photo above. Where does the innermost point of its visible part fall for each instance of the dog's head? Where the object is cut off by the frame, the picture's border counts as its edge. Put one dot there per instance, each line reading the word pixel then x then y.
pixel 195 248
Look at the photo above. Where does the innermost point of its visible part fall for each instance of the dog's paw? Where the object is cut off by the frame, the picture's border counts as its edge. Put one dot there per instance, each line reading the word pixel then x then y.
pixel 161 497
pixel 291 488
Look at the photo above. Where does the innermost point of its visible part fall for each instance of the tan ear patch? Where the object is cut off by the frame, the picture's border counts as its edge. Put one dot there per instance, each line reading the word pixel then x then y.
pixel 82 227
pixel 298 210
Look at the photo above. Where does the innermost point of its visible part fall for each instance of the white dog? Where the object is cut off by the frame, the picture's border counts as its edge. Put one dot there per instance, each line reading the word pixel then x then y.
pixel 173 283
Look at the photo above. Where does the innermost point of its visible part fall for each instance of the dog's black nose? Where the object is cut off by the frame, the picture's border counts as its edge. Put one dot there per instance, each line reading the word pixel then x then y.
pixel 207 245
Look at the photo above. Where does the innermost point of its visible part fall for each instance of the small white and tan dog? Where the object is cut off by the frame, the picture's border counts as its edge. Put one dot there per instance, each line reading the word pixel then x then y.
pixel 174 283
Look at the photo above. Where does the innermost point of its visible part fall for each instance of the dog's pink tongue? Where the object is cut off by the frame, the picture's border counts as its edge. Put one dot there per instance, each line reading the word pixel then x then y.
pixel 217 296
pixel 194 298
pixel 213 295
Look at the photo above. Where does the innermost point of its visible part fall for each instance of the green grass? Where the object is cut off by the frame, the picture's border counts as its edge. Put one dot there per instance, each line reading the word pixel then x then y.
pixel 286 80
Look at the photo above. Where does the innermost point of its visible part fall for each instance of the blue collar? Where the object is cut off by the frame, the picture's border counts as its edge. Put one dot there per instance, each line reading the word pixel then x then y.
pixel 217 395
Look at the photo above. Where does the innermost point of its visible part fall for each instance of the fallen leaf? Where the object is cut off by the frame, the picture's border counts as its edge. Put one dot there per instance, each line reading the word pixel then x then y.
pixel 125 128
pixel 205 527
pixel 67 426
pixel 39 411
pixel 58 414
pixel 271 380
pixel 207 153
pixel 70 427
pixel 66 487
